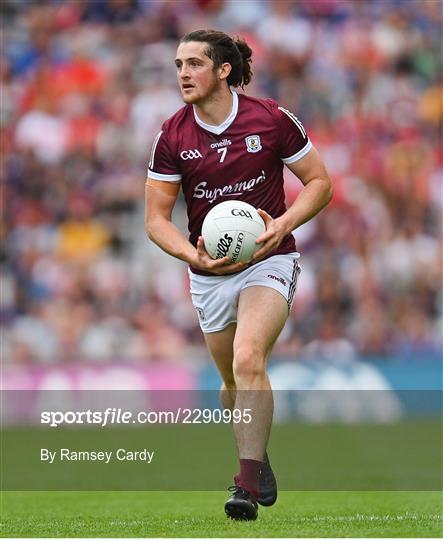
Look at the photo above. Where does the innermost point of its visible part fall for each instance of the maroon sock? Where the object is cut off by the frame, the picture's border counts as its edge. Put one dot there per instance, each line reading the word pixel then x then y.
pixel 248 476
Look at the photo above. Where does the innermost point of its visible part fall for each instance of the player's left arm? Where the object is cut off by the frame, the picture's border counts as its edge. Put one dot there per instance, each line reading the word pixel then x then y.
pixel 315 195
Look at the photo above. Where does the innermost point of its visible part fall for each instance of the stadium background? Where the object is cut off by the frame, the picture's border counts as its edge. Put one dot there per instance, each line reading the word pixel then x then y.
pixel 88 301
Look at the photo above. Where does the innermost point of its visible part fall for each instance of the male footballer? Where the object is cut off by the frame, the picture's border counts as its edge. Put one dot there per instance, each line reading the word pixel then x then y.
pixel 218 139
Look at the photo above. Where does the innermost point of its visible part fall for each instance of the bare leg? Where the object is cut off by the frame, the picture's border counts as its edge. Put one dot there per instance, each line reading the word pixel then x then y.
pixel 262 314
pixel 241 352
pixel 227 397
pixel 221 347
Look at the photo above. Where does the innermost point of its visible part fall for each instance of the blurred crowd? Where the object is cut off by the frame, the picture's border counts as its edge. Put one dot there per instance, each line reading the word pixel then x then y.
pixel 85 86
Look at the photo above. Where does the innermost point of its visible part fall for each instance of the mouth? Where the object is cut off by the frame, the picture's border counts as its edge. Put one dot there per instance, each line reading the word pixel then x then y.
pixel 187 86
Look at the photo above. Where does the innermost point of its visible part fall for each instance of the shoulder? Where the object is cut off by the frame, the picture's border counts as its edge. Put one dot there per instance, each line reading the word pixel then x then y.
pixel 265 109
pixel 264 105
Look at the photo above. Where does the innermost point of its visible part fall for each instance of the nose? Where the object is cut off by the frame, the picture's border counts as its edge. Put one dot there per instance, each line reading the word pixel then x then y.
pixel 183 72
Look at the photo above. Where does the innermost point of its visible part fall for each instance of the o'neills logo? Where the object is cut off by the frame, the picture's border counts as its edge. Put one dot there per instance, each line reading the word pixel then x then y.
pixel 223 246
pixel 279 279
pixel 221 144
pixel 227 191
pixel 237 249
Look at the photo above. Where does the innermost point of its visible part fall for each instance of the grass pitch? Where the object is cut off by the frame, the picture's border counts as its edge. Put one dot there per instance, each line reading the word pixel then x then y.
pixel 200 514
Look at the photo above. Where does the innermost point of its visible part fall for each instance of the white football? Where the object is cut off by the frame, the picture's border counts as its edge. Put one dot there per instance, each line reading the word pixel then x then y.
pixel 231 229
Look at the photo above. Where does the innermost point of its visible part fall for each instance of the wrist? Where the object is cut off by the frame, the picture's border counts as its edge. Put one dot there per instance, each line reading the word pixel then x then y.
pixel 193 260
pixel 285 224
pixel 188 254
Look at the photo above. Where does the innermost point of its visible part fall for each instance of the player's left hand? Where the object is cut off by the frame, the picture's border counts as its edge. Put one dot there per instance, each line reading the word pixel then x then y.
pixel 271 238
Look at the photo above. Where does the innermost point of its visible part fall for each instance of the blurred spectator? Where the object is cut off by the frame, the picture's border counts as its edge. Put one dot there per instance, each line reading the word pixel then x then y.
pixel 330 345
pixel 81 236
pixel 85 86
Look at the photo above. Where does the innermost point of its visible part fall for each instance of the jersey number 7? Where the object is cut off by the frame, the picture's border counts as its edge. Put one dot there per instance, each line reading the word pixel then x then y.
pixel 222 151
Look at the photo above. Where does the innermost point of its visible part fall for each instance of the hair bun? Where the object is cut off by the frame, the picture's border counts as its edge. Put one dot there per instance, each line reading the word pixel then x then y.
pixel 246 55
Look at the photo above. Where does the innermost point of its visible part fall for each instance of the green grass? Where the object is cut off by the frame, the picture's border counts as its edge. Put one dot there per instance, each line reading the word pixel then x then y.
pixel 200 514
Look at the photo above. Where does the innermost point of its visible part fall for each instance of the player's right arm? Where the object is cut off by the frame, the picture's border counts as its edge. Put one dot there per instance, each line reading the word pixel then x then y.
pixel 160 198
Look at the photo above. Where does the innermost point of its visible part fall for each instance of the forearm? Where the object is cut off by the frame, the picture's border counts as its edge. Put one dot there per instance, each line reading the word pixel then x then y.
pixel 170 239
pixel 313 197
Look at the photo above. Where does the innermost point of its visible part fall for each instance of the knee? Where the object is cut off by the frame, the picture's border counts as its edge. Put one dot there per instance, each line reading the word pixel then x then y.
pixel 249 363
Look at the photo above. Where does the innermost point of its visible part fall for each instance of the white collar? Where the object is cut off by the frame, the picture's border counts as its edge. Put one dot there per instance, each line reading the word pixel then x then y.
pixel 224 125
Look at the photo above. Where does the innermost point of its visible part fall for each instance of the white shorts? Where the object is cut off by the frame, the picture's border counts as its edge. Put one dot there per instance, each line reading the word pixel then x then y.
pixel 216 297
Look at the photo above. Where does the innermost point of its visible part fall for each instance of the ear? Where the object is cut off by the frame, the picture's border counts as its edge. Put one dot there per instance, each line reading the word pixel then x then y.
pixel 224 70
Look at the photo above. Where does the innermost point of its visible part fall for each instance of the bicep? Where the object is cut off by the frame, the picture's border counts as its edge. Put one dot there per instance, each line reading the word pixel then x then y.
pixel 160 198
pixel 309 167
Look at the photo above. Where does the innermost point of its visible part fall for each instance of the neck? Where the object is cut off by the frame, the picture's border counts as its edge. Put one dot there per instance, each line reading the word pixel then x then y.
pixel 215 109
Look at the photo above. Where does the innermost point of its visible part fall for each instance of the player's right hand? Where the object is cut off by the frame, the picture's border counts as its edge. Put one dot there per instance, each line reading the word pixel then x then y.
pixel 218 267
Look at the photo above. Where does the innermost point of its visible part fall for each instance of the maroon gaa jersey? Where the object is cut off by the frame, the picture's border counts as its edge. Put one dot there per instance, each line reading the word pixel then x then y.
pixel 241 159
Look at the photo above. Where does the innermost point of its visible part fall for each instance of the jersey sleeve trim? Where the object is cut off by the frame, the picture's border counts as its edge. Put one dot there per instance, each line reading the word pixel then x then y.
pixel 154 146
pixel 295 120
pixel 295 157
pixel 164 177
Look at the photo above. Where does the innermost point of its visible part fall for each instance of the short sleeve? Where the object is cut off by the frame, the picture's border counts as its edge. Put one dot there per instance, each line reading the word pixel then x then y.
pixel 295 142
pixel 162 165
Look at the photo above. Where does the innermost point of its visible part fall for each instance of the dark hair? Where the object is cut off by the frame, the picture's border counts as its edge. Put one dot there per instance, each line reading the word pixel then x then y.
pixel 222 48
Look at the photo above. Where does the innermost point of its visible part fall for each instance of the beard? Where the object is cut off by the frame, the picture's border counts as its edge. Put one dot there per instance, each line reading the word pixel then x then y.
pixel 196 97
